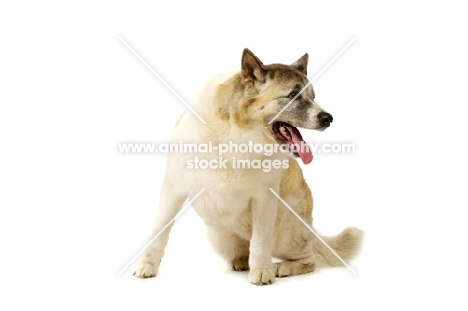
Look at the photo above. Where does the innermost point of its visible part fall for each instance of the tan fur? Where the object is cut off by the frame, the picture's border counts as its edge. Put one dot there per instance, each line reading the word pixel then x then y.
pixel 246 223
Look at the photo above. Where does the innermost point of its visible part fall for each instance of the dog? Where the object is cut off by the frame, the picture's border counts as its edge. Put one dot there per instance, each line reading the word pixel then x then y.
pixel 247 223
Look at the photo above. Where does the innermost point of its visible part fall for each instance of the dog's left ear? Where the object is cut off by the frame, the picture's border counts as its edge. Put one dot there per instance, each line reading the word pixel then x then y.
pixel 252 67
pixel 301 63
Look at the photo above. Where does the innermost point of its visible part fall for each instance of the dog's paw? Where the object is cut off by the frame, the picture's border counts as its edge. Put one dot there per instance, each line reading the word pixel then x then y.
pixel 288 268
pixel 282 269
pixel 146 269
pixel 239 264
pixel 262 276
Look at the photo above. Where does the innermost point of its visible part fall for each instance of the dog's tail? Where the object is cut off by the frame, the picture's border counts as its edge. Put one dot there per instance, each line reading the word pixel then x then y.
pixel 347 245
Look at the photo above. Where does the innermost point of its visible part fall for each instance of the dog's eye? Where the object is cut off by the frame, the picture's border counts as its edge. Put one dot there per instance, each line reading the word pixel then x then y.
pixel 292 94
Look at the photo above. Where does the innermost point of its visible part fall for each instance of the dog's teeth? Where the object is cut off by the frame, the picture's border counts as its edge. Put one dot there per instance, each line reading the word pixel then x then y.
pixel 284 132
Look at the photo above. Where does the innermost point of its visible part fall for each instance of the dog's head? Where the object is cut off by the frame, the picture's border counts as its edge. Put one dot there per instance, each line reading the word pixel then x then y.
pixel 280 98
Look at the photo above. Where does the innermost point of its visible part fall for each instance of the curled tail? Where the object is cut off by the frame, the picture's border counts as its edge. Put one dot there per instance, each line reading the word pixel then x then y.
pixel 347 245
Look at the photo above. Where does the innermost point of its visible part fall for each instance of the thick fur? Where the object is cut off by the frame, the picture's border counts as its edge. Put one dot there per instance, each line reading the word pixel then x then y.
pixel 246 223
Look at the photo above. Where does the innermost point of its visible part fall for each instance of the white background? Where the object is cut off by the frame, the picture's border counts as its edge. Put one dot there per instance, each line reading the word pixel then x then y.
pixel 74 211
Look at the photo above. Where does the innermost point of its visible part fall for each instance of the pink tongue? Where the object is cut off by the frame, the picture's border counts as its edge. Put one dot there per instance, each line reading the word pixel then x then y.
pixel 301 146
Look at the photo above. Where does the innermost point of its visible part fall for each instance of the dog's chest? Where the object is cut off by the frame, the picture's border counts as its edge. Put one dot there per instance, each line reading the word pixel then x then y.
pixel 222 201
pixel 226 206
pixel 229 192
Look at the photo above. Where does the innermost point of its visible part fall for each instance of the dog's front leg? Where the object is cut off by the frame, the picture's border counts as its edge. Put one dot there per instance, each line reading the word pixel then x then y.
pixel 264 209
pixel 170 204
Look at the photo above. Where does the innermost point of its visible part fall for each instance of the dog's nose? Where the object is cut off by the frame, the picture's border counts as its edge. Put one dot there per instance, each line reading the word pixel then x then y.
pixel 325 119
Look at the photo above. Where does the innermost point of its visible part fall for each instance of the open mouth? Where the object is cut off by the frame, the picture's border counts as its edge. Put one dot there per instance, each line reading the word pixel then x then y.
pixel 291 136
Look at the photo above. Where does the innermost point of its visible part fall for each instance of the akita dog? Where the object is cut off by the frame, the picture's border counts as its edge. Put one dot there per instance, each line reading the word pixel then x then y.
pixel 247 223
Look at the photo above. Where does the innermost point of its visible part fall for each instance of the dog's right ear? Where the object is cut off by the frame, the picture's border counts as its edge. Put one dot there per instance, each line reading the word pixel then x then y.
pixel 252 67
pixel 301 63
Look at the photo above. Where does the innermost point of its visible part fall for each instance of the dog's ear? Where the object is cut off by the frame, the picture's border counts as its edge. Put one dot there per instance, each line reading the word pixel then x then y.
pixel 301 64
pixel 252 67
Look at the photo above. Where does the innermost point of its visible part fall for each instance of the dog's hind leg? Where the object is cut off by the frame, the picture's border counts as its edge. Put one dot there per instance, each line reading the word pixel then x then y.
pixel 294 241
pixel 231 247
pixel 295 247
